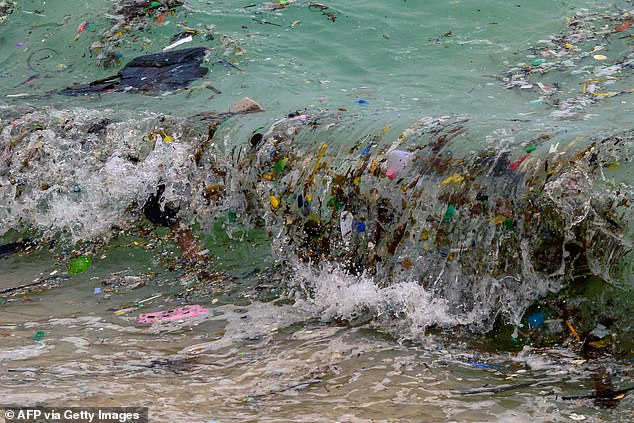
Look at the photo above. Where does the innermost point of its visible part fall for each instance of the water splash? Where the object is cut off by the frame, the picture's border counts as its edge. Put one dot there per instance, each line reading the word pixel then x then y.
pixel 484 223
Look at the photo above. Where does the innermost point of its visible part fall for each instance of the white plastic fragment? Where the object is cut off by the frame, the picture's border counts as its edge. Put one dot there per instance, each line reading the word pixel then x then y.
pixel 345 223
pixel 187 39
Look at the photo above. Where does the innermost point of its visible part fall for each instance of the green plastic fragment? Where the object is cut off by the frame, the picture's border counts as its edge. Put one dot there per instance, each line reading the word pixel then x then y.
pixel 451 209
pixel 279 166
pixel 508 223
pixel 232 216
pixel 79 265
pixel 530 148
pixel 537 62
pixel 155 4
pixel 39 335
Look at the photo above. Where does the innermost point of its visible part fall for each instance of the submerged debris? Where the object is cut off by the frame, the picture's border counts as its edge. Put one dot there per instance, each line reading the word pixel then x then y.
pixel 472 228
pixel 6 8
pixel 166 71
pixel 573 55
pixel 132 19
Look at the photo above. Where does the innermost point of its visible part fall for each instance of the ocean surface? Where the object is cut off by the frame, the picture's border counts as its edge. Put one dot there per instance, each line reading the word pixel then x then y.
pixel 429 220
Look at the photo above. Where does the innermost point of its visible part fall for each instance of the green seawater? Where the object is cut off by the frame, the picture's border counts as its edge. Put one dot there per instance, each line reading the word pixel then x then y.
pixel 432 58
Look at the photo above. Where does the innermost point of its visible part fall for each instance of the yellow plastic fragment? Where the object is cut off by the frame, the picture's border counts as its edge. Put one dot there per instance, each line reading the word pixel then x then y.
pixel 166 138
pixel 455 178
pixel 321 153
pixel 274 202
pixel 498 219
pixel 600 344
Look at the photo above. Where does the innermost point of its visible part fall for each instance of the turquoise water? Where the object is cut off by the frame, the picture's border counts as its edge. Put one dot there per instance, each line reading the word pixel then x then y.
pixel 435 58
pixel 449 211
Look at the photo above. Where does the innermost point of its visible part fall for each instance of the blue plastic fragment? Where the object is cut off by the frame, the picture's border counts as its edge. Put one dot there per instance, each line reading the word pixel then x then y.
pixel 97 290
pixel 359 226
pixel 364 102
pixel 536 320
pixel 483 365
pixel 366 151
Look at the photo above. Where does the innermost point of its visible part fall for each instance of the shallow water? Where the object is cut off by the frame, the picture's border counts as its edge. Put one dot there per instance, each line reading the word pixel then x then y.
pixel 285 340
pixel 265 362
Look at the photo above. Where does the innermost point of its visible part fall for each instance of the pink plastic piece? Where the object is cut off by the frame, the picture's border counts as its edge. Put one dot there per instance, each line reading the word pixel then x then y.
pixel 179 313
pixel 397 162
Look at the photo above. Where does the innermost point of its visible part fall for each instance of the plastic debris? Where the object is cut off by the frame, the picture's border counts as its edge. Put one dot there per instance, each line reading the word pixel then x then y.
pixel 451 209
pixel 79 265
pixel 453 179
pixel 179 313
pixel 39 335
pixel 363 102
pixel 274 201
pixel 97 290
pixel 82 27
pixel 573 331
pixel 536 320
pixel 482 365
pixel 359 226
pixel 601 343
pixel 625 25
pixel 397 163
pixel 171 70
pixel 600 331
pixel 182 41
pixel 566 54
pixel 11 248
pixel 345 224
